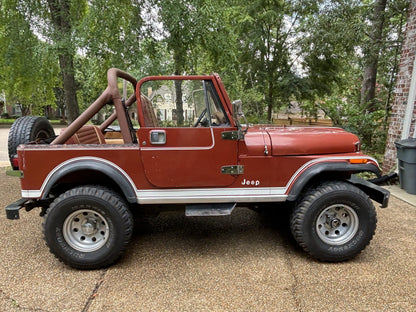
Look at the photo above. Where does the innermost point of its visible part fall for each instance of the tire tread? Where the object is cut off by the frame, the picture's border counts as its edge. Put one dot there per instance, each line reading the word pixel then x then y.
pixel 297 217
pixel 22 131
pixel 115 200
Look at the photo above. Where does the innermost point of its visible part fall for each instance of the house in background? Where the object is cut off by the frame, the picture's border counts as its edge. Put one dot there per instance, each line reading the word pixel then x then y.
pixel 9 110
pixel 164 99
pixel 6 109
pixel 403 114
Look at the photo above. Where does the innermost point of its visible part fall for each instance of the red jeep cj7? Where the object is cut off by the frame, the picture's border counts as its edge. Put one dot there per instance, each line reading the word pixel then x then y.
pixel 190 151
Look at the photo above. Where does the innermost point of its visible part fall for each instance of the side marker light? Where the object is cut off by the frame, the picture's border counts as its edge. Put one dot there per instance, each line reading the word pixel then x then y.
pixel 358 161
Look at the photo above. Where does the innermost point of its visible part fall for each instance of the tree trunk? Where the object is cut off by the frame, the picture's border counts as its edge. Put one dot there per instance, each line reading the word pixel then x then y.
pixel 179 61
pixel 67 68
pixel 269 101
pixel 372 55
pixel 62 32
pixel 179 102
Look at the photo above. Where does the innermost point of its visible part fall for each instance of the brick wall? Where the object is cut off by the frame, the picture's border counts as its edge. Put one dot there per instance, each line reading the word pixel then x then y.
pixel 402 91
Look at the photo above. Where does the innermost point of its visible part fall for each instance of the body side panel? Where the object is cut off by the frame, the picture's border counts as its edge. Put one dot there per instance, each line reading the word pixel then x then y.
pixel 259 183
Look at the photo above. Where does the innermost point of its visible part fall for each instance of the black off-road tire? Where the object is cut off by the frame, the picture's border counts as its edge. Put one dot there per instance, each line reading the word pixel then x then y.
pixel 28 129
pixel 88 227
pixel 334 221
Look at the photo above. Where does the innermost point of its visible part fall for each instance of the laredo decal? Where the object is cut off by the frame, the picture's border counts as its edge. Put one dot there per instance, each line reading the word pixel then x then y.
pixel 251 182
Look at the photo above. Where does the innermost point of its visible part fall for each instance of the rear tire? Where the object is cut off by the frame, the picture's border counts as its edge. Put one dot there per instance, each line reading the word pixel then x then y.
pixel 334 221
pixel 28 129
pixel 88 227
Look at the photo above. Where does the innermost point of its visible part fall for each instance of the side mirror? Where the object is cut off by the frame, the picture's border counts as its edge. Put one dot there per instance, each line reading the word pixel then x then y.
pixel 238 114
pixel 238 109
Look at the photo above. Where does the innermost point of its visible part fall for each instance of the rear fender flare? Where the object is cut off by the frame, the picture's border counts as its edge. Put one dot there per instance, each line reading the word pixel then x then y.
pixel 111 170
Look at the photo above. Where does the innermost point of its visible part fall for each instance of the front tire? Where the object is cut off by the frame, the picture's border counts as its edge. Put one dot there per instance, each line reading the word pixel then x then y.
pixel 88 227
pixel 334 221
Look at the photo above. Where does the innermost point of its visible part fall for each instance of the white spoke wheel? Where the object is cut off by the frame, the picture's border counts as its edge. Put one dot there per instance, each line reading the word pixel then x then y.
pixel 88 227
pixel 333 221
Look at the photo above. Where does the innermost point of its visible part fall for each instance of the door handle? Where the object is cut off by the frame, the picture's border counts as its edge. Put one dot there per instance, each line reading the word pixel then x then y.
pixel 157 137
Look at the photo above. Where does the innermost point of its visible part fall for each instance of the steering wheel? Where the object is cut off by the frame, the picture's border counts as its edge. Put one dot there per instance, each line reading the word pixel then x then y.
pixel 200 117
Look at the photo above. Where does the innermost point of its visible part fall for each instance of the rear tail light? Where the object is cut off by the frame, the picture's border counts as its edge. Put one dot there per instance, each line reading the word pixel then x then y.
pixel 15 162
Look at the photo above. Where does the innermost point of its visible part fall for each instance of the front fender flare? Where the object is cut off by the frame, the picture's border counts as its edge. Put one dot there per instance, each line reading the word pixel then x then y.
pixel 115 173
pixel 327 167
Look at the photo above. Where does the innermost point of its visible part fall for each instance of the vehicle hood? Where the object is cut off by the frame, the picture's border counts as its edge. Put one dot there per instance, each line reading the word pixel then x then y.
pixel 300 140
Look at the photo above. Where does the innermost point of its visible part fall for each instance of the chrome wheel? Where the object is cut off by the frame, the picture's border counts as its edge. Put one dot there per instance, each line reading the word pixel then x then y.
pixel 86 230
pixel 337 224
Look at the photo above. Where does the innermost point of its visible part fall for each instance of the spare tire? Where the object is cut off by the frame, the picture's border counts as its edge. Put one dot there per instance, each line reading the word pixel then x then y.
pixel 28 129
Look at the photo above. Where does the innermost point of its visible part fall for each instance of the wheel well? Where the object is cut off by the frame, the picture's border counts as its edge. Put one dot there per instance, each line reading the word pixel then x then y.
pixel 301 188
pixel 327 171
pixel 85 177
pixel 375 192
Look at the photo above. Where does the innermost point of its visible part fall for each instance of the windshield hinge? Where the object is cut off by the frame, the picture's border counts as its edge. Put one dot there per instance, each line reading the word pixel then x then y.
pixel 232 135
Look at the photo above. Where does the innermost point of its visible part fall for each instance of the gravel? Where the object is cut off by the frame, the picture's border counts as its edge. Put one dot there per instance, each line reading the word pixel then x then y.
pixel 243 262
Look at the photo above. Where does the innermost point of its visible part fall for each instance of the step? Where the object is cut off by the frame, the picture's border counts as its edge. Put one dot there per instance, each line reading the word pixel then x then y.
pixel 209 210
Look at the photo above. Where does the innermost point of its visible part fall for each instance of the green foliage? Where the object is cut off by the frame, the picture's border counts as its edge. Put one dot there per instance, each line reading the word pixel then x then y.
pixel 265 44
pixel 268 52
pixel 345 111
pixel 28 71
pixel 335 46
pixel 110 34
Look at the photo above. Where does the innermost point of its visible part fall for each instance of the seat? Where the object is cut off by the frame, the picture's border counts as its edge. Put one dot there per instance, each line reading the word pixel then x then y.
pixel 88 134
pixel 150 119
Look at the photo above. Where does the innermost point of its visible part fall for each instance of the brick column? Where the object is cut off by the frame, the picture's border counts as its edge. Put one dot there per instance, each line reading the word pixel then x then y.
pixel 402 92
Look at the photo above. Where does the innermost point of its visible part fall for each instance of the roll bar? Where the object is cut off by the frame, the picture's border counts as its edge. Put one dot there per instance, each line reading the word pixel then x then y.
pixel 110 94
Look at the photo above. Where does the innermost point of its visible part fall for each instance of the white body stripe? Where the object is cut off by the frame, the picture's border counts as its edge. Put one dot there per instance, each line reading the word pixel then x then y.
pixel 212 195
pixel 197 195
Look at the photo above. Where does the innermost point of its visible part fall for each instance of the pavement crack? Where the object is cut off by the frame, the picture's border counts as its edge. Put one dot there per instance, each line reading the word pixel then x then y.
pixel 16 304
pixel 94 292
pixel 293 288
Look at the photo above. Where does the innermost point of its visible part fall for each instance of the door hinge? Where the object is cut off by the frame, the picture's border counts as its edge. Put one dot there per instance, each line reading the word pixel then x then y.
pixel 232 135
pixel 232 169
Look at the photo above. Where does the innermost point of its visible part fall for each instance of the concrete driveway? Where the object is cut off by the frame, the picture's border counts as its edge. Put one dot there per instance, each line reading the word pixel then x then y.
pixel 4 156
pixel 244 262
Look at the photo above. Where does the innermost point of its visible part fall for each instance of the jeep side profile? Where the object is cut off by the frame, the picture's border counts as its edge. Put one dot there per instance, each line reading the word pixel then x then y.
pixel 187 146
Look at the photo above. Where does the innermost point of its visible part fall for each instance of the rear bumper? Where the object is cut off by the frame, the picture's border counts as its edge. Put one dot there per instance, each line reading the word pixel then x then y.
pixel 12 210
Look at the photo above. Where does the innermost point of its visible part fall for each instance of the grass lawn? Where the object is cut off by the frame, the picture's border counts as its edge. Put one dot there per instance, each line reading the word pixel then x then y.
pixel 9 121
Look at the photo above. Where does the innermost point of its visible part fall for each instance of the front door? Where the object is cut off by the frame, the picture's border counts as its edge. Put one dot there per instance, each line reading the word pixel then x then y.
pixel 184 147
